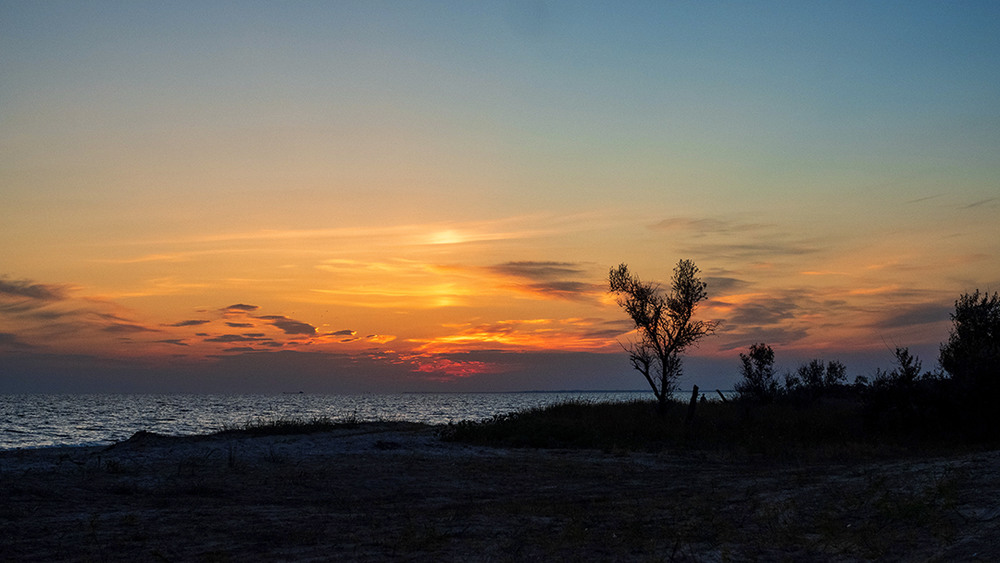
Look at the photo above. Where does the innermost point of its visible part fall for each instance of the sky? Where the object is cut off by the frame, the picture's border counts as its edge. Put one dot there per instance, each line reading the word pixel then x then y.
pixel 407 196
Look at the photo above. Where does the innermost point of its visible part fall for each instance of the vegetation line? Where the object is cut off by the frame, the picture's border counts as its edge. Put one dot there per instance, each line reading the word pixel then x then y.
pixel 282 426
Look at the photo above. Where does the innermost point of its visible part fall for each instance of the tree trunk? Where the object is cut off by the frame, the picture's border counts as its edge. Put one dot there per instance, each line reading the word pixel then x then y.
pixel 661 404
pixel 692 405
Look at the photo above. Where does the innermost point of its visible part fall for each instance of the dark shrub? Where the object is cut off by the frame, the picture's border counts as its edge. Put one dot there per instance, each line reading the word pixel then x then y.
pixel 758 381
pixel 972 353
pixel 972 358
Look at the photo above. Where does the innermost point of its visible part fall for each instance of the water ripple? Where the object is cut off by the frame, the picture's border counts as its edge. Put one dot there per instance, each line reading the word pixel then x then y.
pixel 28 421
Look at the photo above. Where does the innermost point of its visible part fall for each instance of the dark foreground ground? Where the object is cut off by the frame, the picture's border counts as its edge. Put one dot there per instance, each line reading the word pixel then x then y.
pixel 388 492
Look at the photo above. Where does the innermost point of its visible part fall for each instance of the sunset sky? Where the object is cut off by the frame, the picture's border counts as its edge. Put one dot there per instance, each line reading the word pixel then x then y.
pixel 392 196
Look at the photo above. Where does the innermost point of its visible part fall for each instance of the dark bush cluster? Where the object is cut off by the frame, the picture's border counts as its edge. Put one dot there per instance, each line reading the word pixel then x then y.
pixel 811 381
pixel 960 402
pixel 758 381
pixel 814 411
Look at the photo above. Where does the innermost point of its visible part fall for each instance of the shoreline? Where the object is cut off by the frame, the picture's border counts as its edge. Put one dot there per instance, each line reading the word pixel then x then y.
pixel 43 420
pixel 341 440
pixel 386 491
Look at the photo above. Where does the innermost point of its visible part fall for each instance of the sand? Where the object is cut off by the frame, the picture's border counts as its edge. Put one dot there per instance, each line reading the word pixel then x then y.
pixel 388 492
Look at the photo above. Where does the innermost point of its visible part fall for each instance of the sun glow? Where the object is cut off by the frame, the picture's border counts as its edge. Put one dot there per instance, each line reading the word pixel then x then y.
pixel 527 334
pixel 446 237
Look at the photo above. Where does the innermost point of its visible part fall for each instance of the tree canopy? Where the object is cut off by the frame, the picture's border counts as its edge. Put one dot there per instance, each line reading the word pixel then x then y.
pixel 664 323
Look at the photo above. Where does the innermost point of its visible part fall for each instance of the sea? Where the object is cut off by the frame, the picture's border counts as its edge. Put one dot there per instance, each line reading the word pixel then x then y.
pixel 39 420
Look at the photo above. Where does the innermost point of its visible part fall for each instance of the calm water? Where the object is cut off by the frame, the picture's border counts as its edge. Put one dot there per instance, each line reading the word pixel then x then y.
pixel 28 421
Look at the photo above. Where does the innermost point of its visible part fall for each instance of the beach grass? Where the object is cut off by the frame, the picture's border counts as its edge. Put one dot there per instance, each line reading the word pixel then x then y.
pixel 822 429
pixel 287 426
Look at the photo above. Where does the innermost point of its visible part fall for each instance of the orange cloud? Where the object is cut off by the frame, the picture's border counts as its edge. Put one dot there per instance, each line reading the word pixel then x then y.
pixel 447 368
pixel 539 334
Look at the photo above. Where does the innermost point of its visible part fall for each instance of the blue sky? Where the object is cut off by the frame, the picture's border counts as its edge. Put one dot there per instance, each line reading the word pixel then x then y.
pixel 378 168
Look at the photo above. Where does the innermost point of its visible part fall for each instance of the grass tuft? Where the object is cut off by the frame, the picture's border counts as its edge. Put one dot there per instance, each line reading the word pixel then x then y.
pixel 286 426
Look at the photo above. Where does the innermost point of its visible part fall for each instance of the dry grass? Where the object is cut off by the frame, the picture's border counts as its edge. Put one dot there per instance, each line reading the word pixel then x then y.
pixel 286 426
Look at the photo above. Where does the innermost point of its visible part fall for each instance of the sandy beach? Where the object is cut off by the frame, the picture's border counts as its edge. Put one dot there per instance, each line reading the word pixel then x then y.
pixel 389 491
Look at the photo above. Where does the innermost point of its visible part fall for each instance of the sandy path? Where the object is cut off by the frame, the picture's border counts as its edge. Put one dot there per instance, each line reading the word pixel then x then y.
pixel 391 492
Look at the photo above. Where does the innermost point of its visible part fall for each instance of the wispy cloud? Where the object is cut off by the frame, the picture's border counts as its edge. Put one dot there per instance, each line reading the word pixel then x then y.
pixel 922 199
pixel 240 308
pixel 127 328
pixel 226 338
pixel 290 326
pixel 568 290
pixel 776 336
pixel 546 280
pixel 193 322
pixel 10 340
pixel 714 238
pixel 751 251
pixel 414 284
pixel 982 203
pixel 29 290
pixel 413 234
pixel 235 349
pixel 915 315
pixel 701 226
pixel 764 311
pixel 380 338
pixel 537 270
pixel 721 285
pixel 47 315
pixel 43 315
pixel 28 299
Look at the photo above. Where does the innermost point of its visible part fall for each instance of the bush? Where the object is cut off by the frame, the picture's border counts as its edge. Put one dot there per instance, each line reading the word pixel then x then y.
pixel 972 358
pixel 813 380
pixel 777 430
pixel 572 424
pixel 758 381
pixel 972 353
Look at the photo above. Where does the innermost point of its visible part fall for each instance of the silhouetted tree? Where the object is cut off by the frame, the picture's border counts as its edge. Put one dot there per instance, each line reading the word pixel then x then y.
pixel 972 353
pixel 836 374
pixel 664 323
pixel 972 357
pixel 907 402
pixel 813 378
pixel 814 374
pixel 906 372
pixel 907 366
pixel 811 374
pixel 757 368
